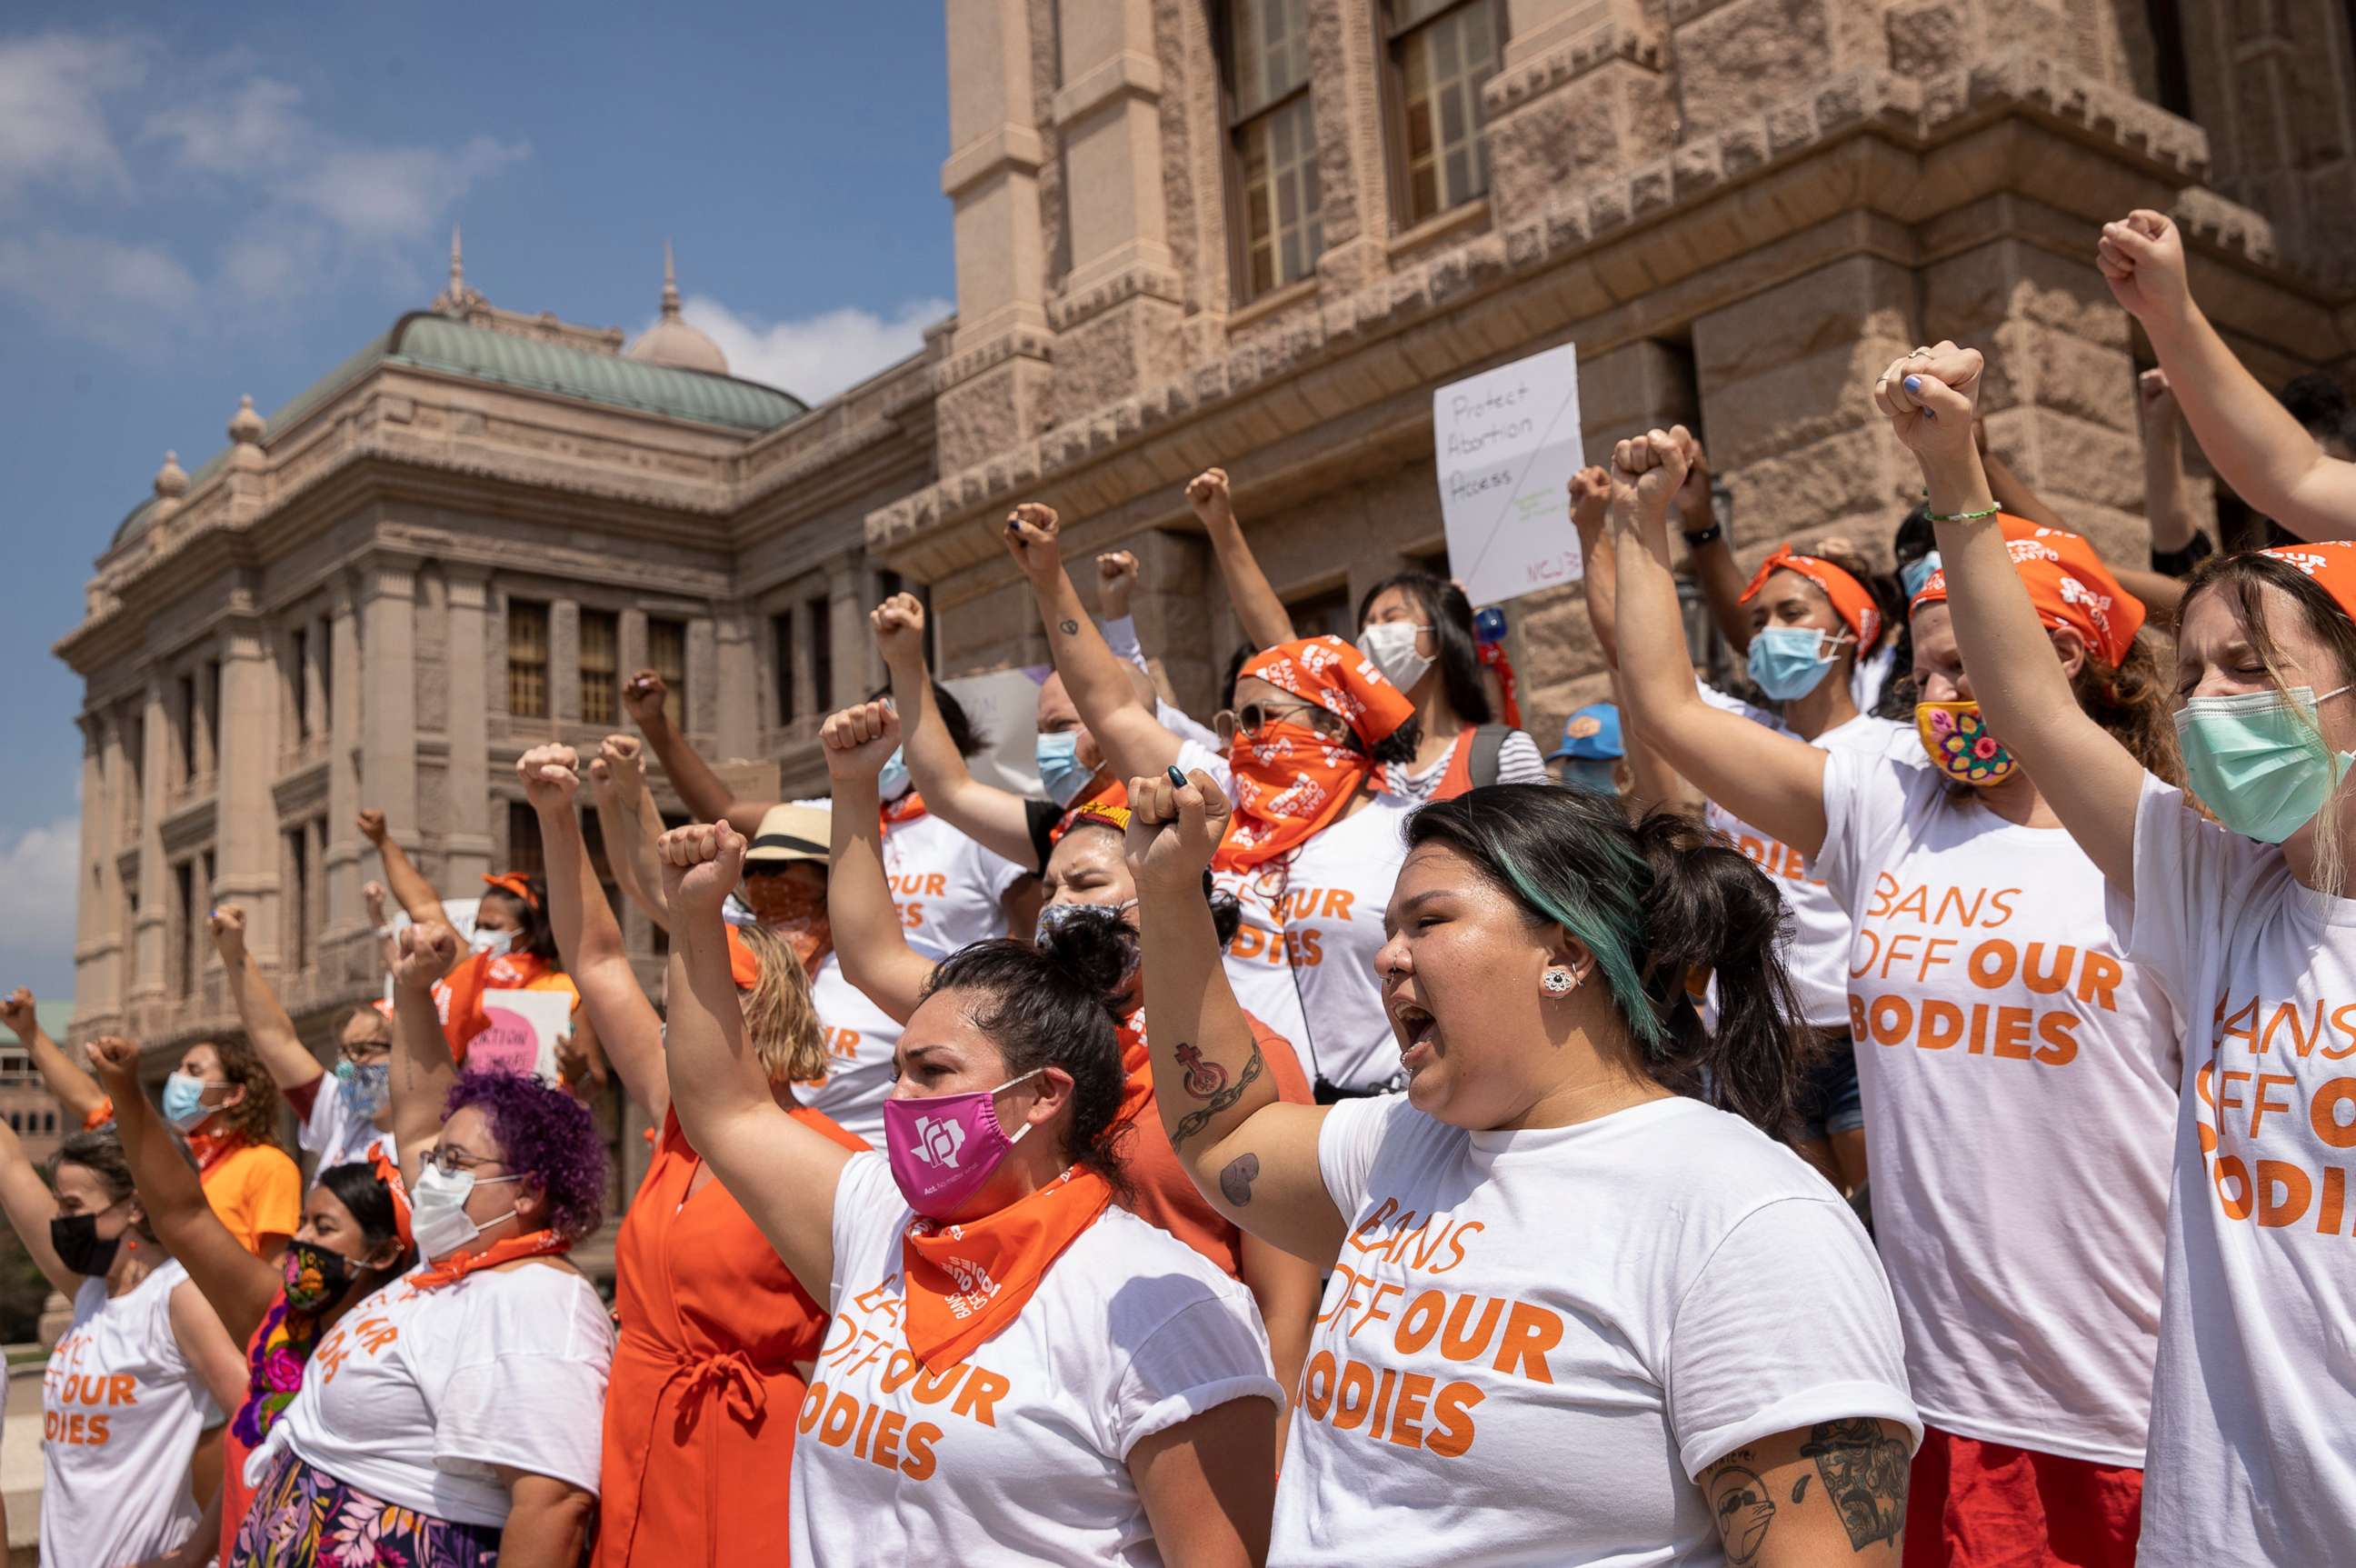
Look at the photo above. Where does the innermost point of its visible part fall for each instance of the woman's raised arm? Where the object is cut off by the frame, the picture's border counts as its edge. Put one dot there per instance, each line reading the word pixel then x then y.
pixel 868 937
pixel 423 1068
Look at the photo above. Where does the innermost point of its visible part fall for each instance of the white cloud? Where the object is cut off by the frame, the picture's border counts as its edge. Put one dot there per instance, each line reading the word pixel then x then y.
pixel 253 126
pixel 53 124
pixel 392 193
pixel 37 918
pixel 122 295
pixel 815 357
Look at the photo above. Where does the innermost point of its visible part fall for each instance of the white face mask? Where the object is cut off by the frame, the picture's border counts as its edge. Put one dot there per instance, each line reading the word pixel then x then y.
pixel 1391 645
pixel 498 944
pixel 438 1221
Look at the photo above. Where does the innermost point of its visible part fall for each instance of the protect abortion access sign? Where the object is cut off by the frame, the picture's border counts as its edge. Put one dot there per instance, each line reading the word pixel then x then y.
pixel 1507 443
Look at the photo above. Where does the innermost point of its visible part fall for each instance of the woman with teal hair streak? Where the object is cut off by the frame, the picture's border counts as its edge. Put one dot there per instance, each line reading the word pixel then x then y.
pixel 1585 1305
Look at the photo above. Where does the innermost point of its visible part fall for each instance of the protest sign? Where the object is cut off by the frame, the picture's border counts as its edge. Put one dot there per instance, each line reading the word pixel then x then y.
pixel 525 1028
pixel 1507 441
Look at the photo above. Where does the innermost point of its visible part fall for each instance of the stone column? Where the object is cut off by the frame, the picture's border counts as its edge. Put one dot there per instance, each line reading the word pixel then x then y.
pixel 848 621
pixel 246 869
pixel 737 690
pixel 467 834
pixel 1582 90
pixel 340 705
pixel 563 665
pixel 155 877
pixel 388 719
pixel 2060 393
pixel 1353 170
pixel 995 383
pixel 702 714
pixel 97 937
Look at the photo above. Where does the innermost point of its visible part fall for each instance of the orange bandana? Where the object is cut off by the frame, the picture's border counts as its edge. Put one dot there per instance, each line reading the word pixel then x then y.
pixel 2331 563
pixel 2068 584
pixel 513 882
pixel 803 926
pixel 460 995
pixel 906 809
pixel 966 1281
pixel 1851 601
pixel 743 963
pixel 211 1150
pixel 458 1265
pixel 390 1173
pixel 1289 781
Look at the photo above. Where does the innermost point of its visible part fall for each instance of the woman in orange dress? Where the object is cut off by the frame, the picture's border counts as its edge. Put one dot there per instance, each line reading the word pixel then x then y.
pixel 716 1334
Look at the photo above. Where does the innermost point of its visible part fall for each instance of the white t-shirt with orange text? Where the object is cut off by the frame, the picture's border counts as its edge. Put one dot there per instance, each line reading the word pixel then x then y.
pixel 121 1411
pixel 1259 969
pixel 1534 1341
pixel 1816 949
pixel 946 886
pixel 2253 1409
pixel 2019 1075
pixel 1337 887
pixel 860 1039
pixel 1019 1454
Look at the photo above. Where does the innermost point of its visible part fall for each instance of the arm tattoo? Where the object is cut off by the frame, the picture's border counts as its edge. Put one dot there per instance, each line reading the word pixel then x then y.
pixel 1864 1474
pixel 1799 1488
pixel 1195 1121
pixel 1235 1181
pixel 1204 1078
pixel 1739 1504
pixel 1068 628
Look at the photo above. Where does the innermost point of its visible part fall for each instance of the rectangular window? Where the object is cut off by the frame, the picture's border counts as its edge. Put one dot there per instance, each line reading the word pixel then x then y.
pixel 600 640
pixel 1443 54
pixel 188 717
pixel 781 633
pixel 667 657
pixel 527 659
pixel 298 899
pixel 819 615
pixel 1275 132
pixel 2171 68
pixel 298 661
pixel 184 951
pixel 1323 614
pixel 212 694
pixel 524 853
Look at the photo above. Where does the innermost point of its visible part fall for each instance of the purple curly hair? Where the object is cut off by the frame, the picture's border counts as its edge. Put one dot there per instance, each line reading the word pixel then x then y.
pixel 547 1134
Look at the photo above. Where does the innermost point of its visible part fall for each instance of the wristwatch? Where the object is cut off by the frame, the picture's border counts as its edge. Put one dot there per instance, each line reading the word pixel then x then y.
pixel 2180 562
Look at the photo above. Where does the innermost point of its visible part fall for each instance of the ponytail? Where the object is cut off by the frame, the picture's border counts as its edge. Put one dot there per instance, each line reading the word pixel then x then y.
pixel 1662 905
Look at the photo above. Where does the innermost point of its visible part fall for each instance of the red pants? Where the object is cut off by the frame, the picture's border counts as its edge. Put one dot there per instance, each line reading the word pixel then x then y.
pixel 1982 1505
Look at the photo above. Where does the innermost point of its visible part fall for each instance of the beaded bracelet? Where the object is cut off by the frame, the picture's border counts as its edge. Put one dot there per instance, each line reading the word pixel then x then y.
pixel 1964 516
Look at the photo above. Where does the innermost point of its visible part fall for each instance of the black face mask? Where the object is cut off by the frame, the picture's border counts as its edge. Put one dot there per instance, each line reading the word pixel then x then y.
pixel 316 1277
pixel 78 1245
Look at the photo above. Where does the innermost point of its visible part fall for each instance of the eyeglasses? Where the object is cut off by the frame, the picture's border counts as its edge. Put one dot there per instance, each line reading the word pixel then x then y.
pixel 359 1051
pixel 1255 716
pixel 450 1160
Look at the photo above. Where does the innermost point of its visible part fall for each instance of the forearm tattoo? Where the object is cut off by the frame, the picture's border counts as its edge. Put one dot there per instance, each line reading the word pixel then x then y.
pixel 1195 1121
pixel 1068 628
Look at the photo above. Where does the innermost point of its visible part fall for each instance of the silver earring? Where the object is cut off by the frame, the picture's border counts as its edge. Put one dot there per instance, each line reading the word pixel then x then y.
pixel 1558 980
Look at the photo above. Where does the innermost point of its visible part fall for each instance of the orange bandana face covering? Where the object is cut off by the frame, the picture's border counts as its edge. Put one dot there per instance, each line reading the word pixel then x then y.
pixel 965 1281
pixel 1849 597
pixel 1289 780
pixel 2067 583
pixel 797 915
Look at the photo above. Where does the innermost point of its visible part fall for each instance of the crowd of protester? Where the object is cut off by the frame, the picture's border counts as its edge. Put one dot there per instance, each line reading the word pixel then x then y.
pixel 1883 1109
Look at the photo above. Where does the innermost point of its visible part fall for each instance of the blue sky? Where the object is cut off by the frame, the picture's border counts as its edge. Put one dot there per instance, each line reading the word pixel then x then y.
pixel 199 202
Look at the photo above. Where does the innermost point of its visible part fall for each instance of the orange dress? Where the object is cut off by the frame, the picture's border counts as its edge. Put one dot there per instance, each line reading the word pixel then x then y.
pixel 701 1402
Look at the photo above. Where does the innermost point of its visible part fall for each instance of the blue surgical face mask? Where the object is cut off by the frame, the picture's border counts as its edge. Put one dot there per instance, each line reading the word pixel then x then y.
pixel 2257 762
pixel 1915 573
pixel 1790 661
pixel 184 1101
pixel 1061 771
pixel 893 781
pixel 367 1086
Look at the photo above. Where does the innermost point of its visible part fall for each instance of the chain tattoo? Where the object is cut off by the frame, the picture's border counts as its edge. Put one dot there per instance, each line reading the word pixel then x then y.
pixel 1195 1121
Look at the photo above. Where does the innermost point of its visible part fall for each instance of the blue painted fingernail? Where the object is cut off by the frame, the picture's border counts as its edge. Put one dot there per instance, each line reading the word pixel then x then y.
pixel 1913 383
pixel 1177 778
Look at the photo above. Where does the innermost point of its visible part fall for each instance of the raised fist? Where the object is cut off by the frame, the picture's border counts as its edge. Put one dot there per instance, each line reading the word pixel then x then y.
pixel 1651 466
pixel 2142 258
pixel 898 624
pixel 1117 574
pixel 426 953
pixel 551 777
pixel 2156 400
pixel 17 1011
pixel 1208 493
pixel 1590 498
pixel 643 699
pixel 115 1060
pixel 859 741
pixel 1031 538
pixel 373 895
pixel 1173 829
pixel 372 828
pixel 227 924
pixel 1930 397
pixel 702 863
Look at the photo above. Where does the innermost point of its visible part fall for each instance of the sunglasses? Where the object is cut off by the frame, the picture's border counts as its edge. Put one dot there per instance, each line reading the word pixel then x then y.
pixel 1255 716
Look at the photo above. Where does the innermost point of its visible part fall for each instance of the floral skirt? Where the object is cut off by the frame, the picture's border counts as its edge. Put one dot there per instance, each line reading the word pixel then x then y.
pixel 304 1518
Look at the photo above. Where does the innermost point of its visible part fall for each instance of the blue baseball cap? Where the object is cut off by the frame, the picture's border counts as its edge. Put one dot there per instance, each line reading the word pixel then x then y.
pixel 1593 735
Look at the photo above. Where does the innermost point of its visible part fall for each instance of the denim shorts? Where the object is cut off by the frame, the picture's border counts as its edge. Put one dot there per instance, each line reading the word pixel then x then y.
pixel 1829 1100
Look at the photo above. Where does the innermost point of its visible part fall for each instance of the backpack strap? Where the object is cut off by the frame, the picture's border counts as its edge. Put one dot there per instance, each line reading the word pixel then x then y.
pixel 1488 742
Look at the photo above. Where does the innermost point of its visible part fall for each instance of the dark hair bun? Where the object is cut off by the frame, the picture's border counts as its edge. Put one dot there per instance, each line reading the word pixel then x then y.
pixel 1094 946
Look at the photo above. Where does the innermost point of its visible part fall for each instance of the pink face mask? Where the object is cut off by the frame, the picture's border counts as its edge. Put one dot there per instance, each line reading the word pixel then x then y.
pixel 943 1150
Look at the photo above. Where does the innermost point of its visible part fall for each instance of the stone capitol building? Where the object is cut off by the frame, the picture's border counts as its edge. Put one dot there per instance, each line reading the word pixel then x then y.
pixel 1250 233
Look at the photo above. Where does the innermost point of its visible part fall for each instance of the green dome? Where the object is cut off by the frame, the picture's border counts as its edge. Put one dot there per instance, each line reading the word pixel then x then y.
pixel 435 342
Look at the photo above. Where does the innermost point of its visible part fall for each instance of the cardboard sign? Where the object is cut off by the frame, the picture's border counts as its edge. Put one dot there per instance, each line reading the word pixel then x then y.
pixel 1507 443
pixel 525 1028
